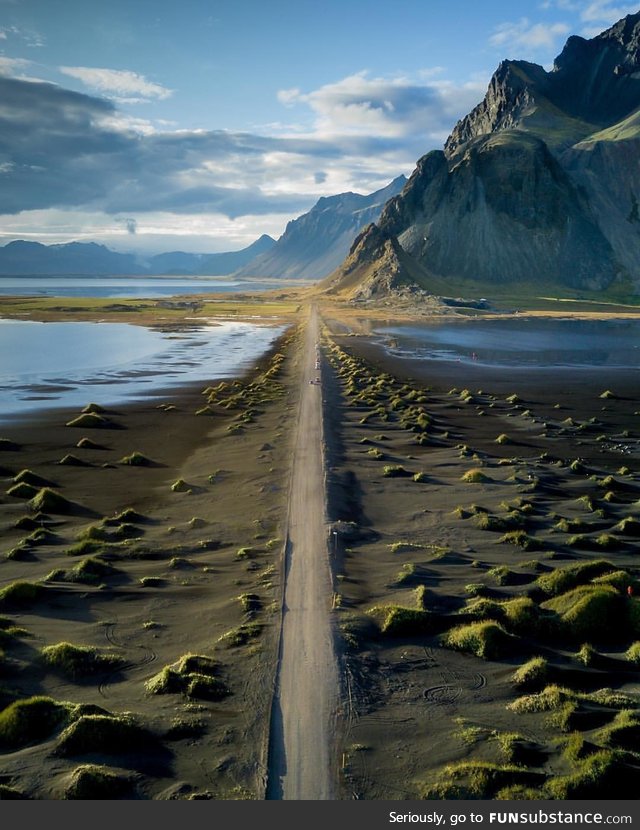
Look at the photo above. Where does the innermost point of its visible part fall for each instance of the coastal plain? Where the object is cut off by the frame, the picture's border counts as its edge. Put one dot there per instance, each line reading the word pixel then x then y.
pixel 483 529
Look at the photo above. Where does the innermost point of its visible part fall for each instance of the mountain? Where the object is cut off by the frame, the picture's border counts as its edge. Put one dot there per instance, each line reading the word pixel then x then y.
pixel 228 263
pixel 537 186
pixel 23 258
pixel 315 243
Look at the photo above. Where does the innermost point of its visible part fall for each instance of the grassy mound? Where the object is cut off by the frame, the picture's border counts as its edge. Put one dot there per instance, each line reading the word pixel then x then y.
pixel 110 734
pixel 21 593
pixel 180 486
pixel 622 732
pixel 475 476
pixel 89 571
pixel 70 460
pixel 22 491
pixel 397 621
pixel 88 444
pixel 91 782
pixel 90 420
pixel 560 580
pixel 531 675
pixel 633 652
pixel 241 635
pixel 137 459
pixel 128 515
pixel 50 501
pixel 29 477
pixel 395 471
pixel 79 662
pixel 591 612
pixel 29 721
pixel 478 780
pixel 193 675
pixel 485 639
pixel 596 776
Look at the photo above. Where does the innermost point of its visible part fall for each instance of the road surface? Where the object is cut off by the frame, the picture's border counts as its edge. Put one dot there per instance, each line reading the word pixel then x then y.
pixel 301 755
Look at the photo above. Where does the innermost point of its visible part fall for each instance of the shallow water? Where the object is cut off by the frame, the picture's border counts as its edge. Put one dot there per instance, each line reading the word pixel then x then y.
pixel 126 287
pixel 520 342
pixel 46 365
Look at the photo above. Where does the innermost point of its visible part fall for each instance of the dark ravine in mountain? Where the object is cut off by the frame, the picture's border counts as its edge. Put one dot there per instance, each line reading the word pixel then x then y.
pixel 538 186
pixel 22 258
pixel 314 244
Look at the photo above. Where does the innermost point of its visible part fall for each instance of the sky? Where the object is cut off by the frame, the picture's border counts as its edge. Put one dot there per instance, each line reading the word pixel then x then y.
pixel 157 125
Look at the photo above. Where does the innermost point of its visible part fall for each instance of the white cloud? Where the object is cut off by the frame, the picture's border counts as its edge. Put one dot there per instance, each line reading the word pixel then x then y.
pixel 29 36
pixel 606 12
pixel 598 13
pixel 525 35
pixel 121 84
pixel 11 66
pixel 397 107
pixel 95 161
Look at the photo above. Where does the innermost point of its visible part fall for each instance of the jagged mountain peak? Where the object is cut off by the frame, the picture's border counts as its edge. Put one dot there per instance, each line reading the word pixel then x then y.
pixel 538 185
pixel 314 244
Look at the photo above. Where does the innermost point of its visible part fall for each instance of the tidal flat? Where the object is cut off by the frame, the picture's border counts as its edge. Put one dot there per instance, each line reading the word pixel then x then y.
pixel 484 528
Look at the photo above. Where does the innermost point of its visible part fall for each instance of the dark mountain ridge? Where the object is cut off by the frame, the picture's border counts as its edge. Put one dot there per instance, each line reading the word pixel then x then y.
pixel 314 244
pixel 24 258
pixel 539 184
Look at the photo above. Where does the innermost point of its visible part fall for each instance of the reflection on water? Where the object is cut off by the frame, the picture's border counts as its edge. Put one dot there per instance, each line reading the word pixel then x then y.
pixel 126 287
pixel 521 342
pixel 43 365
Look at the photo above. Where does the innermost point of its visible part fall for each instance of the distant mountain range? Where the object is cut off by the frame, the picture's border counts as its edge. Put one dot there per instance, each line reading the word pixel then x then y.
pixel 539 185
pixel 314 244
pixel 22 258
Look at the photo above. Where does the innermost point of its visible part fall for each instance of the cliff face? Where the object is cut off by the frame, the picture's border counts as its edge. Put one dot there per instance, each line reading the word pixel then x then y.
pixel 314 244
pixel 540 183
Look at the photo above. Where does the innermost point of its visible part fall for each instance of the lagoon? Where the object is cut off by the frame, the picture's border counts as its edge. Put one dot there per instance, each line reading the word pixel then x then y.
pixel 128 287
pixel 520 342
pixel 68 364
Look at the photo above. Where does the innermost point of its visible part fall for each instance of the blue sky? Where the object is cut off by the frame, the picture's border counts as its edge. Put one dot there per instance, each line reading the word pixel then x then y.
pixel 152 125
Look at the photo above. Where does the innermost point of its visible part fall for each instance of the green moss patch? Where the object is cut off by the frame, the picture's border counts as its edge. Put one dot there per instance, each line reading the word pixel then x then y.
pixel 560 580
pixel 531 675
pixel 475 476
pixel 395 471
pixel 50 501
pixel 91 782
pixel 241 635
pixel 194 675
pixel 79 662
pixel 591 611
pixel 21 593
pixel 22 491
pixel 398 621
pixel 137 459
pixel 486 639
pixel 90 420
pixel 71 460
pixel 478 780
pixel 29 721
pixel 29 477
pixel 88 444
pixel 108 734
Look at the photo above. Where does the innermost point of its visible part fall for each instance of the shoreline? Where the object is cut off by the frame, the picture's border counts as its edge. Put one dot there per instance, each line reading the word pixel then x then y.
pixel 192 569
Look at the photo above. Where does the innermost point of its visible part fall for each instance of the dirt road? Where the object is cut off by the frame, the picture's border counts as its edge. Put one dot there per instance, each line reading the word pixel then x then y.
pixel 301 757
